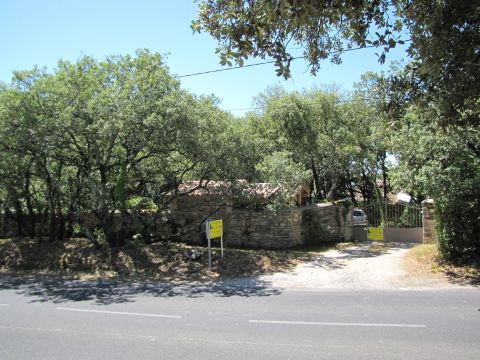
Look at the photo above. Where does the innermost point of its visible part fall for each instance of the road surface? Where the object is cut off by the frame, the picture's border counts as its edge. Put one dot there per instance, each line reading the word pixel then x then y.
pixel 47 319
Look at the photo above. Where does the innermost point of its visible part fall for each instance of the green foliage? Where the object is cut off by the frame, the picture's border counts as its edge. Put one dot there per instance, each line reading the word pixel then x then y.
pixel 437 154
pixel 280 170
pixel 443 165
pixel 338 142
pixel 100 137
pixel 266 29
pixel 444 38
pixel 141 203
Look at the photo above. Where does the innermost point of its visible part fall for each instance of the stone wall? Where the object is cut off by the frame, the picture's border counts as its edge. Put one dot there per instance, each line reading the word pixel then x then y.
pixel 429 229
pixel 264 229
pixel 260 228
pixel 327 223
pixel 188 214
pixel 244 225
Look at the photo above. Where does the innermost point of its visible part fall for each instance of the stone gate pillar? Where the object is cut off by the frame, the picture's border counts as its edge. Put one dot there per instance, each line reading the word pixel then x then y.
pixel 429 229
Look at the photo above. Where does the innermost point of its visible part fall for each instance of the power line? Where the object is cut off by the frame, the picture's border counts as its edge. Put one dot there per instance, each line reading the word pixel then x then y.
pixel 271 62
pixel 309 103
pixel 230 68
pixel 265 63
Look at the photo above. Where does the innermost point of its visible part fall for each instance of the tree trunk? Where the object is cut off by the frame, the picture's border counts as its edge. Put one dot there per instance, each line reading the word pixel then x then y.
pixel 113 237
pixel 52 226
pixel 316 182
pixel 31 212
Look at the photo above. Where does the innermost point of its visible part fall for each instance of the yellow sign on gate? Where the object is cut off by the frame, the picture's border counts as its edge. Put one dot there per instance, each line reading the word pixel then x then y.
pixel 216 229
pixel 375 234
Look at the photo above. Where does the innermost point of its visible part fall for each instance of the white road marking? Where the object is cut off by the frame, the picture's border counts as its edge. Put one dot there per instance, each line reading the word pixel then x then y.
pixel 121 313
pixel 3 304
pixel 321 323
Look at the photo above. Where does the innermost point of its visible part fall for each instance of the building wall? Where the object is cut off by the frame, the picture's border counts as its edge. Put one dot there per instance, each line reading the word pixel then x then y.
pixel 189 213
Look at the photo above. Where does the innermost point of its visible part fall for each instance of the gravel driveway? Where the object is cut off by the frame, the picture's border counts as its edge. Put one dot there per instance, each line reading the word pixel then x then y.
pixel 361 266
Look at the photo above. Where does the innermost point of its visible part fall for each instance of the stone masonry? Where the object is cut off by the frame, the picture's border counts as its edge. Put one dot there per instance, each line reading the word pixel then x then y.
pixel 261 228
pixel 429 229
pixel 245 224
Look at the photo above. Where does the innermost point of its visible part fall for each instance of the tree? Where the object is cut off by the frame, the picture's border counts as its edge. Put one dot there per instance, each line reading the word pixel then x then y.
pixel 280 170
pixel 441 164
pixel 30 137
pixel 309 129
pixel 440 82
pixel 435 160
pixel 367 149
pixel 444 39
pixel 266 28
pixel 96 141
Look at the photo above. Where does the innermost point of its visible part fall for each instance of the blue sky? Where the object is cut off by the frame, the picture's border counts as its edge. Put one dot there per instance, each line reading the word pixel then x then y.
pixel 39 32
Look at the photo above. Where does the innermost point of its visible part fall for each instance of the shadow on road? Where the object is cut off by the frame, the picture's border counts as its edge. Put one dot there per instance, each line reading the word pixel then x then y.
pixel 109 292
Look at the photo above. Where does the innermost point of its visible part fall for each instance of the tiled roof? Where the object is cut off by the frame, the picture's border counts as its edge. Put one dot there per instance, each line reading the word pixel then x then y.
pixel 240 188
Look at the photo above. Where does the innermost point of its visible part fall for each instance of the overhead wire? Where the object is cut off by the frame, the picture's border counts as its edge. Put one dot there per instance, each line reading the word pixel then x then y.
pixel 271 62
pixel 309 103
pixel 265 63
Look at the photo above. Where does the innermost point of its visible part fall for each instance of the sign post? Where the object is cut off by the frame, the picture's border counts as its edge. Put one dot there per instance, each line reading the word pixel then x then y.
pixel 209 246
pixel 214 230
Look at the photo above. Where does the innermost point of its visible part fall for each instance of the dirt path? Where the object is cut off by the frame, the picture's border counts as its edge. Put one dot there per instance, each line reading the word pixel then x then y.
pixel 362 266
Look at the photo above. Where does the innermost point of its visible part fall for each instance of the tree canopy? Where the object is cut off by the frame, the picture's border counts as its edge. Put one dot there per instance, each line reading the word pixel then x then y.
pixel 94 143
pixel 103 138
pixel 443 37
pixel 430 109
pixel 267 28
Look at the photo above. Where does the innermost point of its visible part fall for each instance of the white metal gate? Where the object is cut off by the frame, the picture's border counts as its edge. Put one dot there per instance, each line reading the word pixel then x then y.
pixel 400 223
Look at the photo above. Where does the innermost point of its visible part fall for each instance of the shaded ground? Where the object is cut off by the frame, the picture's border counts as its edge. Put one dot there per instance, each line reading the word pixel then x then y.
pixel 105 292
pixel 76 271
pixel 79 259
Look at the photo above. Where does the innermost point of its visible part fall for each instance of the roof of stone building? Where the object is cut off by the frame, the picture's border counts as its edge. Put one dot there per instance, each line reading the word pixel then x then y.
pixel 239 188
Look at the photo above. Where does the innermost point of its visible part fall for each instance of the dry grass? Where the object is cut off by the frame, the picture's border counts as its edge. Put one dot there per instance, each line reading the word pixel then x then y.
pixel 344 245
pixel 78 258
pixel 424 261
pixel 379 247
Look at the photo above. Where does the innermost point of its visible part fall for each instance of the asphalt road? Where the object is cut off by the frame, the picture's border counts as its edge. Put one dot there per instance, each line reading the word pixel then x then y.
pixel 42 319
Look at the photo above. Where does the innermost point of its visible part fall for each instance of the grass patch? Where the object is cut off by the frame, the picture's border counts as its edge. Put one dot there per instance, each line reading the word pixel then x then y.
pixel 343 245
pixel 78 258
pixel 425 261
pixel 426 253
pixel 375 247
pixel 379 247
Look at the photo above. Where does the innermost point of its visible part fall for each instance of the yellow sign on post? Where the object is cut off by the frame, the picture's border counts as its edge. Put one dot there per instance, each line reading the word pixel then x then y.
pixel 216 229
pixel 375 234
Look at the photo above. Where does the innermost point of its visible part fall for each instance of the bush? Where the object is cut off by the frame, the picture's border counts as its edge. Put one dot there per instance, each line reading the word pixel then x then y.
pixel 458 228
